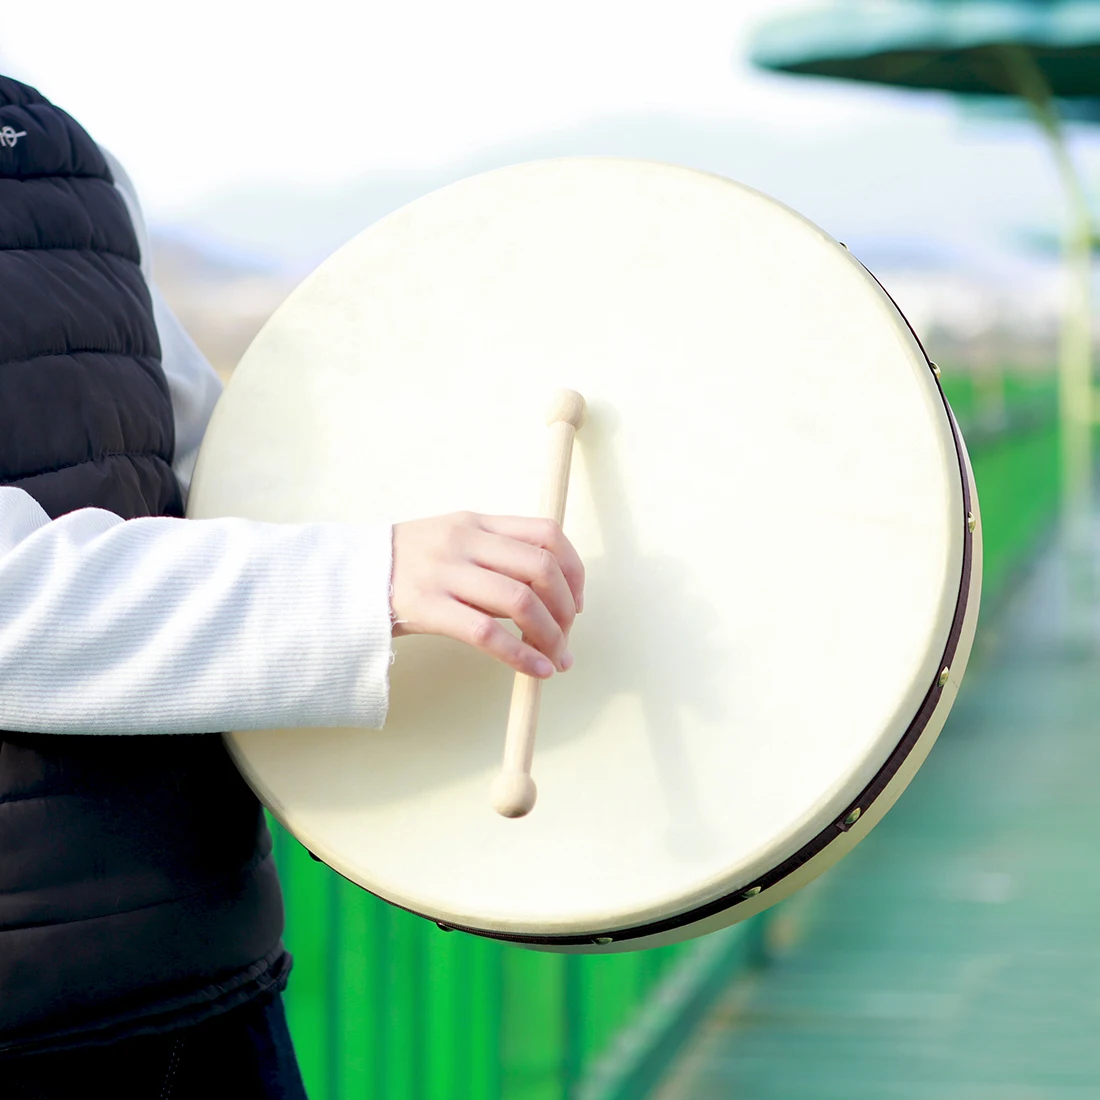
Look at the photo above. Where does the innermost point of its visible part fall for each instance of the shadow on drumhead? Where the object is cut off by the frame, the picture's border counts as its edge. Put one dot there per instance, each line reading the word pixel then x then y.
pixel 612 745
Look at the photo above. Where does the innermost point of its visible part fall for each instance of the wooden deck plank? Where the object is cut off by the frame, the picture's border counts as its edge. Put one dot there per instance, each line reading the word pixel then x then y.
pixel 956 953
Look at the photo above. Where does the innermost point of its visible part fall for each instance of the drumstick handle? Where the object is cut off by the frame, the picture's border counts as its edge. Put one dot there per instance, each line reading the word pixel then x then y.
pixel 514 790
pixel 556 486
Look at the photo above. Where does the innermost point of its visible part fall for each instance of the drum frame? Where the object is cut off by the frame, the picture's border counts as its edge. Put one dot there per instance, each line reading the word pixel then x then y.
pixel 846 830
pixel 849 826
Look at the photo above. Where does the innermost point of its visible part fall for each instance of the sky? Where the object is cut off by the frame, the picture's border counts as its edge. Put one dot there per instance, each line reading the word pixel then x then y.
pixel 213 94
pixel 284 128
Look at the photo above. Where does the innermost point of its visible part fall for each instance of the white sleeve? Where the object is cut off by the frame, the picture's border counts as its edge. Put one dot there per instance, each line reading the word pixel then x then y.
pixel 192 382
pixel 188 626
pixel 178 626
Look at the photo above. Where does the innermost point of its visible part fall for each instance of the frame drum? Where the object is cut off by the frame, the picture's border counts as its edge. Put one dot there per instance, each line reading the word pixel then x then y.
pixel 774 507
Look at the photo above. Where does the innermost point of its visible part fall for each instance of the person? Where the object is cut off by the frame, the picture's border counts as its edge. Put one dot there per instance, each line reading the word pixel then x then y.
pixel 140 913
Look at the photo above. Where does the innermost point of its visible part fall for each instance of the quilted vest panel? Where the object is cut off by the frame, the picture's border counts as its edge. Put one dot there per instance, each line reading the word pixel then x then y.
pixel 137 887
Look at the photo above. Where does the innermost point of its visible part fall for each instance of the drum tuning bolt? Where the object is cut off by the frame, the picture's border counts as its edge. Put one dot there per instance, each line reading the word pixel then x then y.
pixel 514 791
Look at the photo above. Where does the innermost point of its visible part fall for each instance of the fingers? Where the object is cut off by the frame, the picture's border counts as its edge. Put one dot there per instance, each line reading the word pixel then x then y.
pixel 503 597
pixel 532 565
pixel 548 535
pixel 476 628
pixel 456 574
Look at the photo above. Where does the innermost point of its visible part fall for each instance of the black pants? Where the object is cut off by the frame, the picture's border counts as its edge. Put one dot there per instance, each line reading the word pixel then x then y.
pixel 244 1055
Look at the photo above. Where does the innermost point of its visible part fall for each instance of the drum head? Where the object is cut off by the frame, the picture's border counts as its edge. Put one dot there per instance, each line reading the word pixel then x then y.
pixel 768 496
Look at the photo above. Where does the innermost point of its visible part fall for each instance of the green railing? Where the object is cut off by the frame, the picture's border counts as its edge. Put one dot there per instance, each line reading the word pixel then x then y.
pixel 386 1006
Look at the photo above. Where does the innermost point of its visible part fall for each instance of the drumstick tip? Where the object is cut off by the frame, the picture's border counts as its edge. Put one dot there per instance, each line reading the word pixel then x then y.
pixel 514 794
pixel 568 407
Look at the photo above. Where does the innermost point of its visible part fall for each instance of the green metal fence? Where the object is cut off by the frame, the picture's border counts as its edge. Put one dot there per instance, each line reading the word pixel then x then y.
pixel 386 1004
pixel 383 1004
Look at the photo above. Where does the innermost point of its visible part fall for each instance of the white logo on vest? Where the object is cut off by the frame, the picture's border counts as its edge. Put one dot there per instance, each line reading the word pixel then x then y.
pixel 9 136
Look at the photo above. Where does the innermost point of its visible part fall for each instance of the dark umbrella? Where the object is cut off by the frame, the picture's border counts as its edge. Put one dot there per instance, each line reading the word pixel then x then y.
pixel 1038 51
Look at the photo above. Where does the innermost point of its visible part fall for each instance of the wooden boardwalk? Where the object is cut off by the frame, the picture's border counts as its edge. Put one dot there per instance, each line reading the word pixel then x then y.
pixel 956 954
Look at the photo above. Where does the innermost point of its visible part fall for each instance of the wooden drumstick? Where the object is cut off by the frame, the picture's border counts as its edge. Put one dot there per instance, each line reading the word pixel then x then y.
pixel 514 790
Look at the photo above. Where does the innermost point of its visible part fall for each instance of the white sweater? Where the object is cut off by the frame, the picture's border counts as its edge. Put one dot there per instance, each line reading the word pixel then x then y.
pixel 188 626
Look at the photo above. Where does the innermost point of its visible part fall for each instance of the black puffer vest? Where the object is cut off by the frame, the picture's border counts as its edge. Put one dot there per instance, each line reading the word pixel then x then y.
pixel 137 887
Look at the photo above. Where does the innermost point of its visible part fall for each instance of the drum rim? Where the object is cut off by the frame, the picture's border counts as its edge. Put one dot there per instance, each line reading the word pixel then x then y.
pixel 852 812
pixel 752 894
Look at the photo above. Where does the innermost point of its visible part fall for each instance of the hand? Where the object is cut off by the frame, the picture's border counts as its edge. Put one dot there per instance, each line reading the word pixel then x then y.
pixel 456 575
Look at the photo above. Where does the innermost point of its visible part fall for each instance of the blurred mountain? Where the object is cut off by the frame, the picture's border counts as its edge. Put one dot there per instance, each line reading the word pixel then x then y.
pixel 932 204
pixel 222 292
pixel 181 251
pixel 926 176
